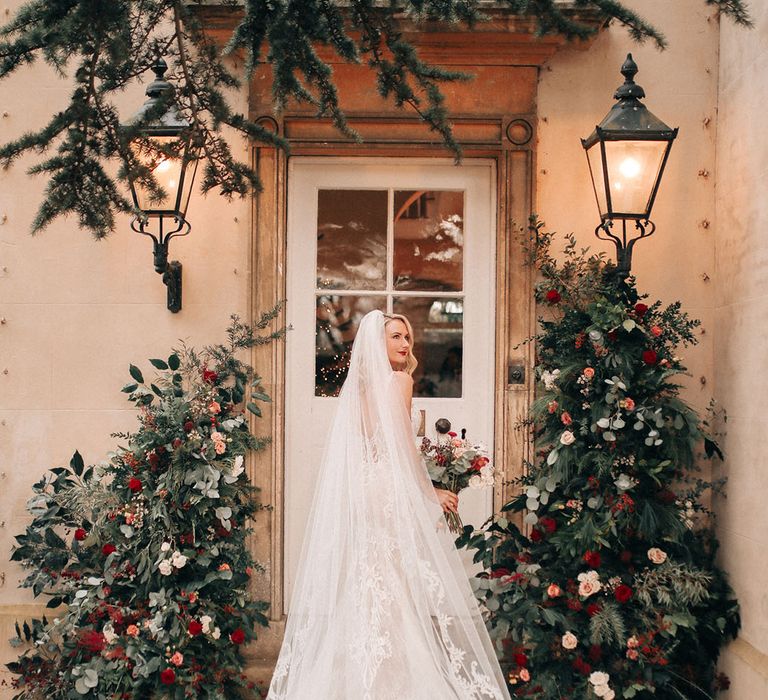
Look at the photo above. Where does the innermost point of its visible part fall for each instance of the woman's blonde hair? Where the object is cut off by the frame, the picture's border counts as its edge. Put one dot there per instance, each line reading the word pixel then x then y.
pixel 410 361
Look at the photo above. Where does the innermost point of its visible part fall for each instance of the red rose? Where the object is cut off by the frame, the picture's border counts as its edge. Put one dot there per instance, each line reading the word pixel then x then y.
pixel 574 604
pixel 168 677
pixel 622 593
pixel 194 628
pixel 80 534
pixel 176 442
pixel 189 426
pixel 499 572
pixel 91 640
pixel 641 309
pixel 134 485
pixel 107 549
pixel 536 535
pixel 650 357
pixel 553 296
pixel 521 660
pixel 593 609
pixel 592 559
pixel 238 636
pixel 209 376
pixel 548 524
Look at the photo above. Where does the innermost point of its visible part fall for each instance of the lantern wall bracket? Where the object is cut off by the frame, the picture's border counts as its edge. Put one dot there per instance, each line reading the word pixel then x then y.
pixel 624 245
pixel 170 271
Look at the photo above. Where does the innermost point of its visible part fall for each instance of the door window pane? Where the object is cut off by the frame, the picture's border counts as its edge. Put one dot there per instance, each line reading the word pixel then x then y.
pixel 352 239
pixel 337 321
pixel 438 343
pixel 429 240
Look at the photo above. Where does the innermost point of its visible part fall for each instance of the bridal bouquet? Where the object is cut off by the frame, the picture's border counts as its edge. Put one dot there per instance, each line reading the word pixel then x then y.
pixel 454 464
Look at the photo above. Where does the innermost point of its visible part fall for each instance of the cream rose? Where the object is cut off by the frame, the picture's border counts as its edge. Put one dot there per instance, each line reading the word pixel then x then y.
pixel 567 438
pixel 656 555
pixel 569 640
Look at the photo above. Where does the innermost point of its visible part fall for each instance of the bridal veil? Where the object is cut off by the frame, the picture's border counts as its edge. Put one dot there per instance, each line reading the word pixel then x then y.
pixel 382 608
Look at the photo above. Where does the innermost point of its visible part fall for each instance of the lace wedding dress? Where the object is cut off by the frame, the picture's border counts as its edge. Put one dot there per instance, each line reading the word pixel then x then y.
pixel 382 608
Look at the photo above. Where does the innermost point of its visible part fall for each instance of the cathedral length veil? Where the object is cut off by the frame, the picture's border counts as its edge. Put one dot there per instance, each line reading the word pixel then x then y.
pixel 382 608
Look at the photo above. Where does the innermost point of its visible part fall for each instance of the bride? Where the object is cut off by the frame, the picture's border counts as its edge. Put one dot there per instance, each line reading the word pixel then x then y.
pixel 382 608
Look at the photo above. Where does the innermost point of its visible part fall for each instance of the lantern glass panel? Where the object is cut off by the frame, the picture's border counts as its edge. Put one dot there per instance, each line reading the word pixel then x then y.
pixel 633 169
pixel 169 173
pixel 595 160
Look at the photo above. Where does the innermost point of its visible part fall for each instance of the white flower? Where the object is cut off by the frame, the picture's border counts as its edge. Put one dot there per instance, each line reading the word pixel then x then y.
pixel 165 567
pixel 205 621
pixel 599 678
pixel 549 378
pixel 569 640
pixel 476 482
pixel 178 560
pixel 624 482
pixel 656 555
pixel 109 633
pixel 589 583
pixel 165 546
pixel 567 438
pixel 216 633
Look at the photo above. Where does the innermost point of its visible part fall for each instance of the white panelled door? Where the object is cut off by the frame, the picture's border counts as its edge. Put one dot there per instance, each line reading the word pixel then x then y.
pixel 406 235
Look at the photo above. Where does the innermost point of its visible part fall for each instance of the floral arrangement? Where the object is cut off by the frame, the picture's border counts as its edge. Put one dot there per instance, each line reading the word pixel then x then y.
pixel 454 464
pixel 606 585
pixel 144 556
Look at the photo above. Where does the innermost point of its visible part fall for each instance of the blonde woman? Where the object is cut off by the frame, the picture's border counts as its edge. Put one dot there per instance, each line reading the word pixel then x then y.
pixel 382 608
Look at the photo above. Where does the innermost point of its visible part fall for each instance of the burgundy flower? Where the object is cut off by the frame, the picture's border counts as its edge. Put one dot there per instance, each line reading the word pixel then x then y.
pixel 107 549
pixel 521 660
pixel 168 676
pixel 553 296
pixel 176 442
pixel 641 309
pixel 622 593
pixel 238 636
pixel 80 534
pixel 548 524
pixel 91 640
pixel 194 628
pixel 625 556
pixel 154 460
pixel 135 485
pixel 593 609
pixel 593 559
pixel 189 426
pixel 650 357
pixel 209 376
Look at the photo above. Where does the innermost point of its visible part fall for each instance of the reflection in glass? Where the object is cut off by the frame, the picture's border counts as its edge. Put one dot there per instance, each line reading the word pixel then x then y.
pixel 351 239
pixel 337 320
pixel 429 240
pixel 438 339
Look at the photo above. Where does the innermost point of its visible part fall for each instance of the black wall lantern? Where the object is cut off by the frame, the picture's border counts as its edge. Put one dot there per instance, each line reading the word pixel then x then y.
pixel 627 153
pixel 163 146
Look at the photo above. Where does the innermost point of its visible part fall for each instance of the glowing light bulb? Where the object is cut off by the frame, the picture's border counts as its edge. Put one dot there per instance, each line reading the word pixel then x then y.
pixel 630 167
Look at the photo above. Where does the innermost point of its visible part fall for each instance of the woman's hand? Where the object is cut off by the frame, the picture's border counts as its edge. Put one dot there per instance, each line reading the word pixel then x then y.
pixel 448 500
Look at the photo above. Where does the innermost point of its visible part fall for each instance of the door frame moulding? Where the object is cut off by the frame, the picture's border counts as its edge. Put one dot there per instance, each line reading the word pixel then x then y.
pixel 510 141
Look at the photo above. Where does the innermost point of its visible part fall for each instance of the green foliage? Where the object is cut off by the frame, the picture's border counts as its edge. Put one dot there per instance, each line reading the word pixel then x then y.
pixel 144 556
pixel 104 47
pixel 615 572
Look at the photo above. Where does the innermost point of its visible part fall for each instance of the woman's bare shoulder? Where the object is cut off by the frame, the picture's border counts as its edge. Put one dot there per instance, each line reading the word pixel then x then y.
pixel 403 378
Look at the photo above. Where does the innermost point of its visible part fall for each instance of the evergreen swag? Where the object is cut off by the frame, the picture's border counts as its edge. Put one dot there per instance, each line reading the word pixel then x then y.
pixel 103 47
pixel 147 551
pixel 614 593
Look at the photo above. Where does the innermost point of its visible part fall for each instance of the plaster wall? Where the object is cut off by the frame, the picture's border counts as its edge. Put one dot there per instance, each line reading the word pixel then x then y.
pixel 77 312
pixel 740 322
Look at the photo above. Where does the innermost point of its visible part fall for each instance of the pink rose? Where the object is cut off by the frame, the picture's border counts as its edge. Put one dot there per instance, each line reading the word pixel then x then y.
pixel 566 418
pixel 214 407
pixel 525 676
pixel 588 372
pixel 632 654
pixel 177 659
pixel 132 631
pixel 553 591
pixel 552 406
